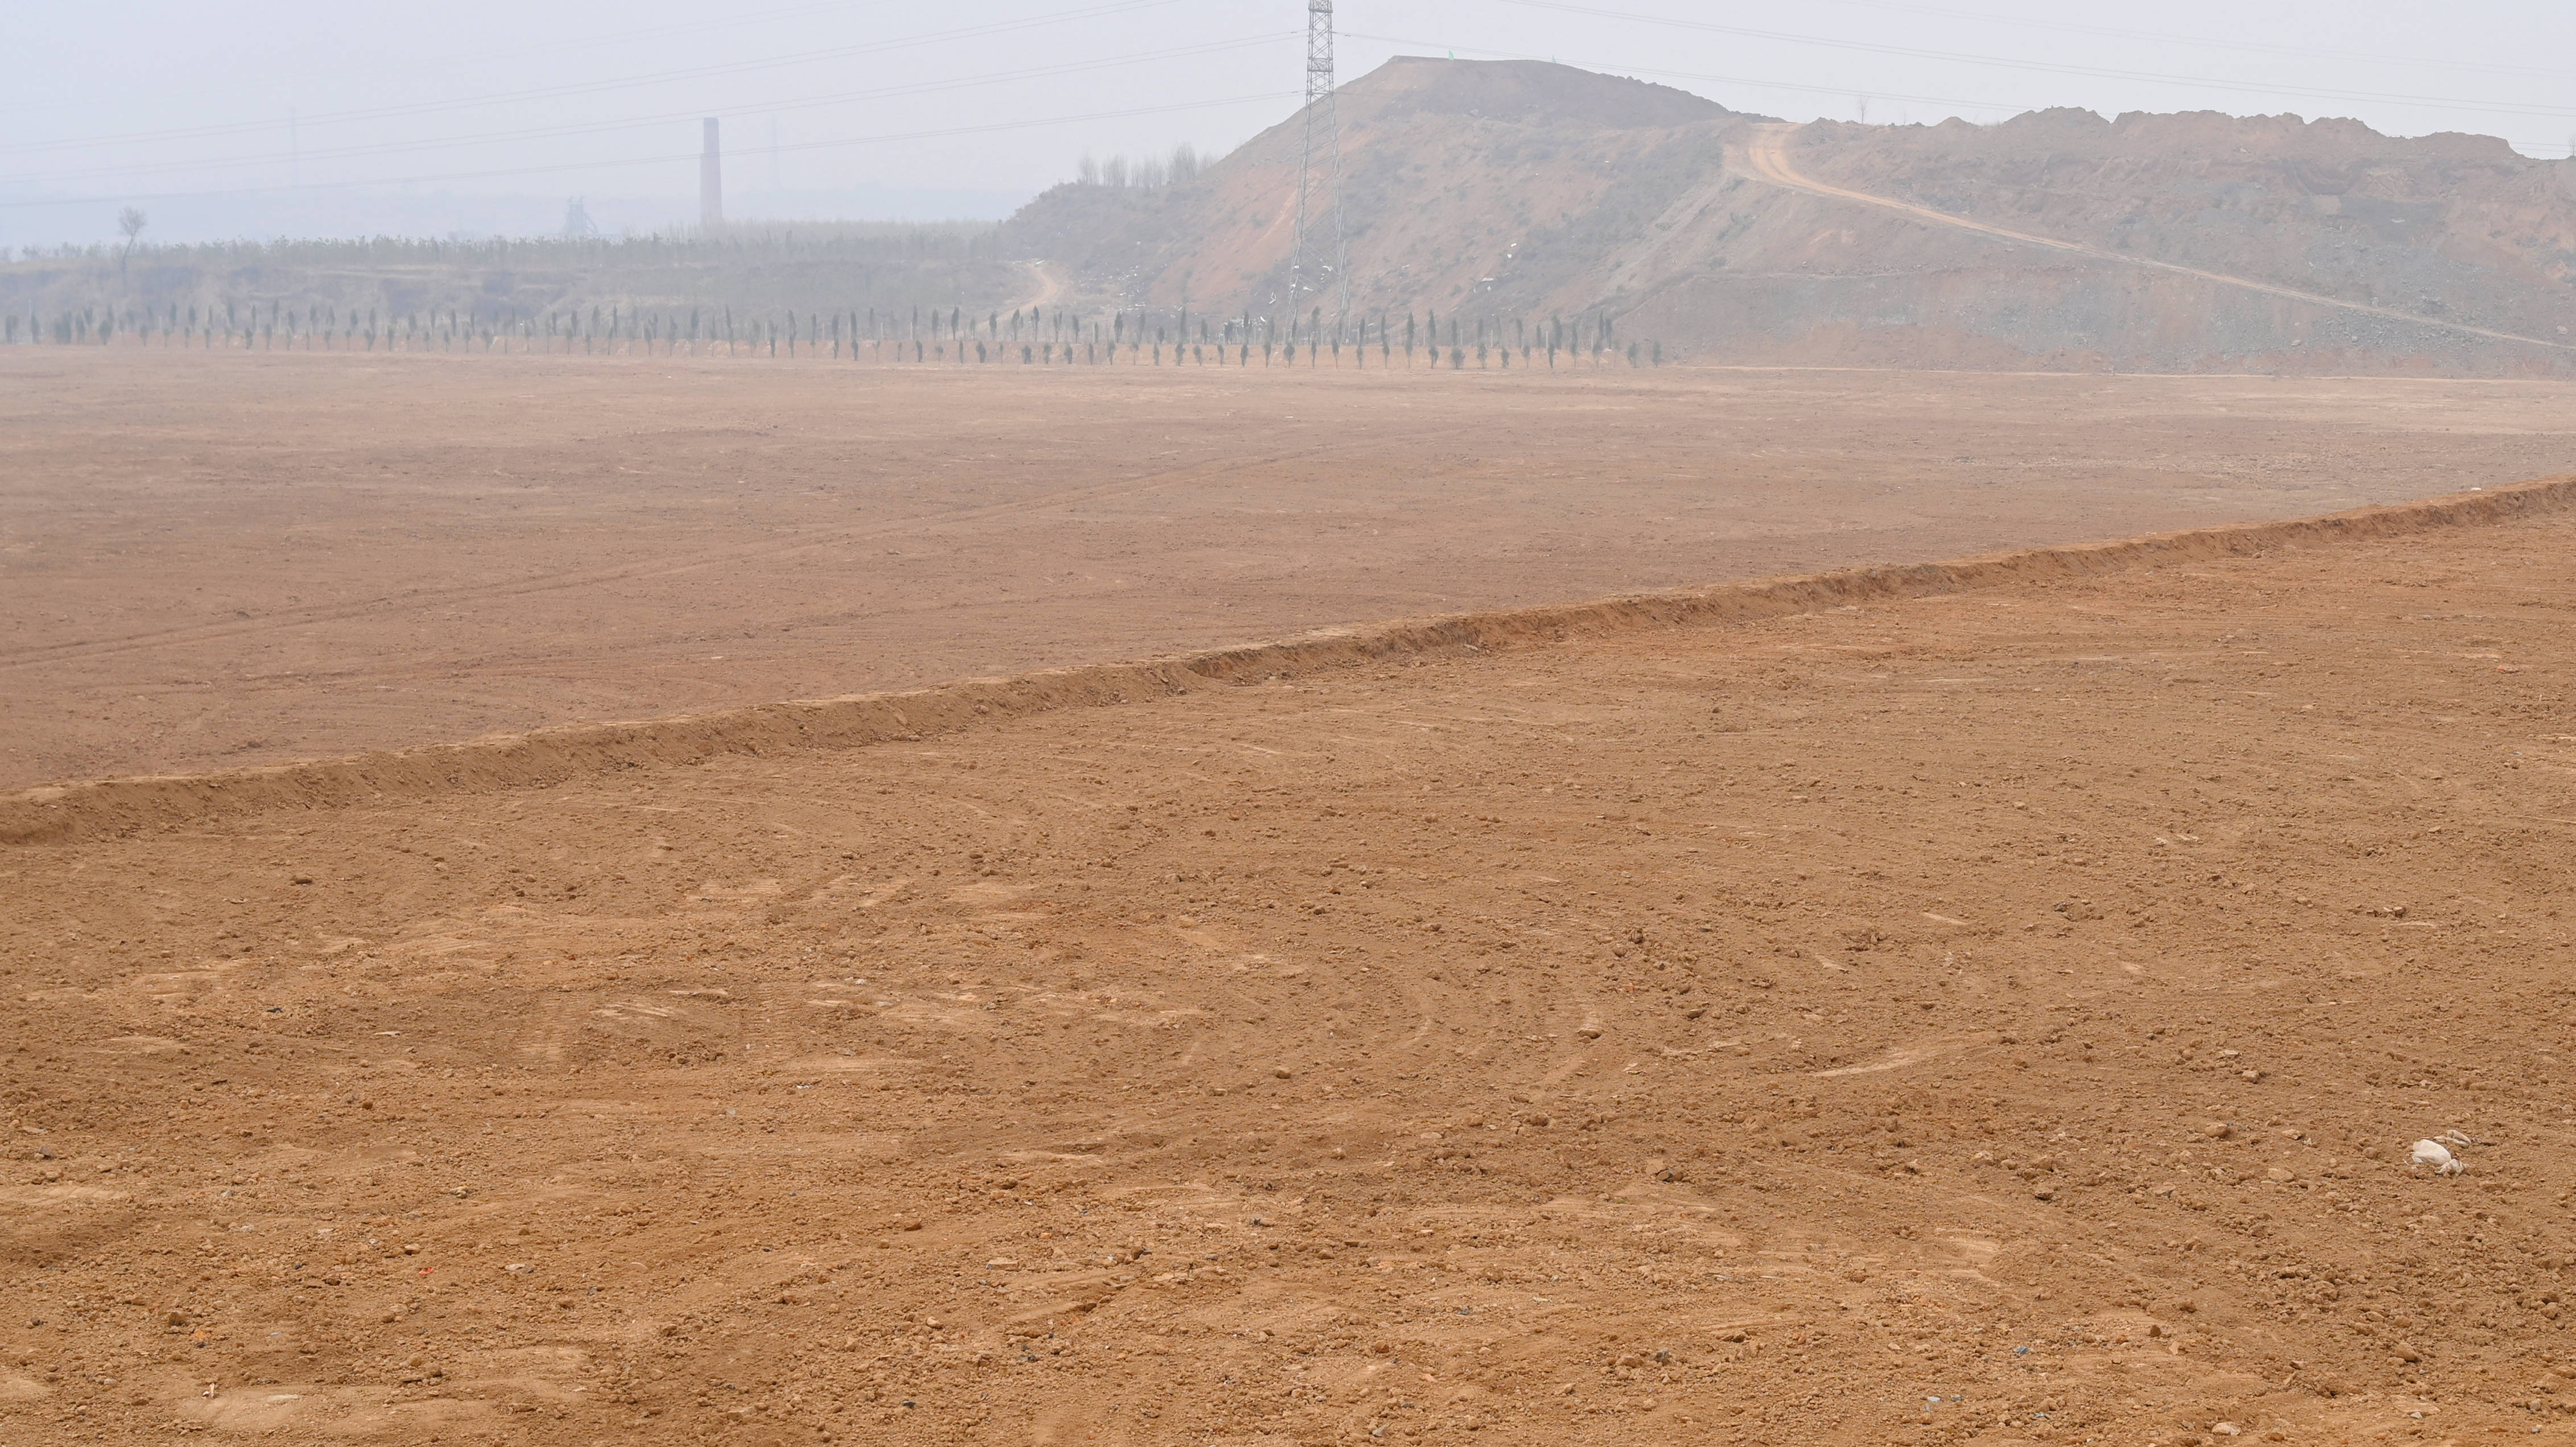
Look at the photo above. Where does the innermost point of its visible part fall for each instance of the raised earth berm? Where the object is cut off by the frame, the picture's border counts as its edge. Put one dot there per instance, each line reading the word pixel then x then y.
pixel 546 756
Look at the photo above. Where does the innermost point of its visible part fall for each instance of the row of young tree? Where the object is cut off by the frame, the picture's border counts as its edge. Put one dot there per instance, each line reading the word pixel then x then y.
pixel 1037 336
pixel 739 242
pixel 494 284
pixel 1147 173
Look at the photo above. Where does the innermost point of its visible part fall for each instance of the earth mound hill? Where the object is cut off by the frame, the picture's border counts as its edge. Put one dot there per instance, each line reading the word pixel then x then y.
pixel 1520 189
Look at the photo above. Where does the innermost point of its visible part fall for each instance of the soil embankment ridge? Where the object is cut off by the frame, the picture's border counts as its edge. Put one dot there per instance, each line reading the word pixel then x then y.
pixel 118 805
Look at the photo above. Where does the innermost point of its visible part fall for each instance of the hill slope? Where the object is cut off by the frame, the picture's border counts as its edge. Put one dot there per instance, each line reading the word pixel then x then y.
pixel 1500 184
pixel 1521 188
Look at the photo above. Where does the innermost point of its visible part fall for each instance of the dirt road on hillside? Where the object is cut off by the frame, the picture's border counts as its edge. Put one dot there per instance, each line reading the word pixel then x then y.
pixel 1049 282
pixel 1766 158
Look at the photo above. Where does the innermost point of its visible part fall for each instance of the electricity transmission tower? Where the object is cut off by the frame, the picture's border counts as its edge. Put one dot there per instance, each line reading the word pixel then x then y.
pixel 1319 112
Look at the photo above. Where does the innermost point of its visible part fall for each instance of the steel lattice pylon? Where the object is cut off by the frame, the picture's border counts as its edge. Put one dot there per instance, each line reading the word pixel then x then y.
pixel 1319 111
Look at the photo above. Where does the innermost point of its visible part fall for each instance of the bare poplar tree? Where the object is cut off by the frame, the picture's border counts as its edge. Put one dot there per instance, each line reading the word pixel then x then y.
pixel 131 221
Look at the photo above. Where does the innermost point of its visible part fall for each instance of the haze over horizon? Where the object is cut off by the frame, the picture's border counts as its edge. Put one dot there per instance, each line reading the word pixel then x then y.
pixel 471 117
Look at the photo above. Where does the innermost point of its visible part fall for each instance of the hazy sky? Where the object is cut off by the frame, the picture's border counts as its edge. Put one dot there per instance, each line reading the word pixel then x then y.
pixel 965 107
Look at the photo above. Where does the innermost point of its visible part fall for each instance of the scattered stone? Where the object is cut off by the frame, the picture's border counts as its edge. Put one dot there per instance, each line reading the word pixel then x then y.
pixel 2433 1153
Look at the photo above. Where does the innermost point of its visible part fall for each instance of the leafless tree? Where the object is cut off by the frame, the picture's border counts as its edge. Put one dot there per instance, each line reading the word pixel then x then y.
pixel 131 221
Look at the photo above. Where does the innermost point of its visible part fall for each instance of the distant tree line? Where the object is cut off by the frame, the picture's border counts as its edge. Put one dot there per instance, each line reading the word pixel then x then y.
pixel 1149 173
pixel 1031 336
pixel 491 283
pixel 742 290
pixel 820 240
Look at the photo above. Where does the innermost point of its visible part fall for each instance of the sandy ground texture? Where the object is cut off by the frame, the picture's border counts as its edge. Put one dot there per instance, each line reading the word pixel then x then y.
pixel 213 559
pixel 2000 1016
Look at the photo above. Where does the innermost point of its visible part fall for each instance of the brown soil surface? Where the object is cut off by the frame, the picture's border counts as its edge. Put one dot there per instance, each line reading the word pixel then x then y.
pixel 220 559
pixel 1999 1016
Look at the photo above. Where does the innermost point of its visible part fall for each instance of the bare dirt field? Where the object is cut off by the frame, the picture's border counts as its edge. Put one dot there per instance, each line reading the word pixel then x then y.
pixel 1996 1015
pixel 214 559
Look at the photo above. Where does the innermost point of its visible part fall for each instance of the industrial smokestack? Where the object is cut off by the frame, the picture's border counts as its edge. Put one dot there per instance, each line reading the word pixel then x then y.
pixel 711 182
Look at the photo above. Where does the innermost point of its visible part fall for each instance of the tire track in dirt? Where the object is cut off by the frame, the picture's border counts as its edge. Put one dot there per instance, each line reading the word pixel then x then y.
pixel 1766 159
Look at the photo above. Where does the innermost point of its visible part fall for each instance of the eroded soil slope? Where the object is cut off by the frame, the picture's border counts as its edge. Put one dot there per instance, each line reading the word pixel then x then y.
pixel 1997 1017
pixel 1517 192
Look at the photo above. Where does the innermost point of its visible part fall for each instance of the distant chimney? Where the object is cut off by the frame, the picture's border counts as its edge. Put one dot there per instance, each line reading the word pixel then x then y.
pixel 711 182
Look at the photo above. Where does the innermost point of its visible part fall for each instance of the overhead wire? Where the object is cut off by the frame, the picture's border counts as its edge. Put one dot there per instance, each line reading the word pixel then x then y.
pixel 2093 71
pixel 1621 68
pixel 660 160
pixel 2256 47
pixel 1987 104
pixel 729 21
pixel 724 20
pixel 1087 12
pixel 558 92
pixel 640 122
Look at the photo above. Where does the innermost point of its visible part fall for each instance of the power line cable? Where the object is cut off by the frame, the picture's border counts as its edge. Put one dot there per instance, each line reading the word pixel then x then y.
pixel 640 122
pixel 2097 72
pixel 2256 47
pixel 557 92
pixel 661 160
pixel 1750 82
pixel 725 21
pixel 442 62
